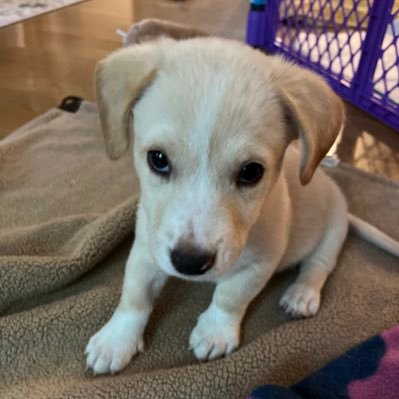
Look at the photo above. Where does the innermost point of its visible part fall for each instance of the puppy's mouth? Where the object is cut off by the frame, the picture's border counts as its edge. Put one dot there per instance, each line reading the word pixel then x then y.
pixel 191 261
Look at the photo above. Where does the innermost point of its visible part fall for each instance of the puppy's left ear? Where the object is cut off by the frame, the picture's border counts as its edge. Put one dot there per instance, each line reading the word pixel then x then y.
pixel 121 79
pixel 313 113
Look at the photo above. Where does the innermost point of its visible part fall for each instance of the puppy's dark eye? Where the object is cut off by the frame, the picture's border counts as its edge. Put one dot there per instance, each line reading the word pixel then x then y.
pixel 158 163
pixel 250 174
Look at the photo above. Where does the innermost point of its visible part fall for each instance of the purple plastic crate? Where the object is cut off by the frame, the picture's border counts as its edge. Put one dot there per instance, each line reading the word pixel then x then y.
pixel 353 44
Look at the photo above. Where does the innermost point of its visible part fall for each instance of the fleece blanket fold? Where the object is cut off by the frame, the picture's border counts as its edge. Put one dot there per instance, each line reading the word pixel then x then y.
pixel 67 217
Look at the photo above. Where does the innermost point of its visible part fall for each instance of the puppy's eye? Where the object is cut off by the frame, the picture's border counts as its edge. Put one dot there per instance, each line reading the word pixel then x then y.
pixel 158 163
pixel 250 174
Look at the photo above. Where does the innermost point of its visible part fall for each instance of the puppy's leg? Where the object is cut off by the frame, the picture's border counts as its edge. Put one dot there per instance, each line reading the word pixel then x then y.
pixel 302 298
pixel 217 332
pixel 112 347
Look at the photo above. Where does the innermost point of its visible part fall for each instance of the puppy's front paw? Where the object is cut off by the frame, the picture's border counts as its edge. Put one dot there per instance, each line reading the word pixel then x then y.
pixel 215 335
pixel 112 347
pixel 301 300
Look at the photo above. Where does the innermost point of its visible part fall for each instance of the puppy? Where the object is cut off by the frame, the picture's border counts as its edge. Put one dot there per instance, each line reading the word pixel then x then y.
pixel 226 197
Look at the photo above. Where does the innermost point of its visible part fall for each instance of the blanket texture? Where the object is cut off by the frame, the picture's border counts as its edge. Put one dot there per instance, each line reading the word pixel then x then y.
pixel 67 218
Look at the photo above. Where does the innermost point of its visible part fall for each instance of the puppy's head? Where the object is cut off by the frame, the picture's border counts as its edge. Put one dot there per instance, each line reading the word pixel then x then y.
pixel 211 121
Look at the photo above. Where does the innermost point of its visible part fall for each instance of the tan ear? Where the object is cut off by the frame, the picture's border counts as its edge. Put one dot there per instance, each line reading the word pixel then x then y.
pixel 121 79
pixel 314 113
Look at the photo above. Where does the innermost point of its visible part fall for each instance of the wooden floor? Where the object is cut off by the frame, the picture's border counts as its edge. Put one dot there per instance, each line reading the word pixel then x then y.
pixel 44 59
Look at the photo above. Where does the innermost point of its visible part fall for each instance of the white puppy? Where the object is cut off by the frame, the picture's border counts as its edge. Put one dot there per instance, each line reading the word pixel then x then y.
pixel 225 195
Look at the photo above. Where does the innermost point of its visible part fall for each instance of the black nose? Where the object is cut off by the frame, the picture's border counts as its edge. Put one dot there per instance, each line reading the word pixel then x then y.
pixel 192 261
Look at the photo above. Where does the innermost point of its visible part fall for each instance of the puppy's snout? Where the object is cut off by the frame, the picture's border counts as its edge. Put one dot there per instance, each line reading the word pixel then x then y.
pixel 191 260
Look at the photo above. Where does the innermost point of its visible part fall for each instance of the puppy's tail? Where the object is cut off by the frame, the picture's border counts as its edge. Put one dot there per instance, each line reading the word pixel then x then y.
pixel 373 235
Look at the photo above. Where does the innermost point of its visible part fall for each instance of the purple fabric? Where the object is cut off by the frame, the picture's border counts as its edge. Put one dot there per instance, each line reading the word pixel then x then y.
pixel 384 383
pixel 368 371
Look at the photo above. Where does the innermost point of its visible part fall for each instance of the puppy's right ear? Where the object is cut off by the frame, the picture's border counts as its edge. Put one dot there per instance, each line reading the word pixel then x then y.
pixel 121 79
pixel 313 112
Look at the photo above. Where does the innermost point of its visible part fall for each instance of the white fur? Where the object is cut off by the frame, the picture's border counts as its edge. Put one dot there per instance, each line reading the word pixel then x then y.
pixel 212 105
pixel 216 334
pixel 113 346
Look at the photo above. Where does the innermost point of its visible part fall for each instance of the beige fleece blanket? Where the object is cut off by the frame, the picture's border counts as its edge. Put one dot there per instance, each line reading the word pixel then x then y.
pixel 66 226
